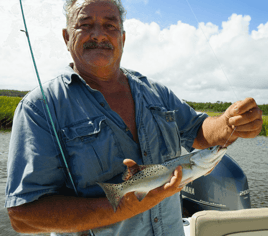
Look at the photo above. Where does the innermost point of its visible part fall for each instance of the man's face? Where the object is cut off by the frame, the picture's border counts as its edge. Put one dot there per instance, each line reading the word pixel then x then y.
pixel 94 37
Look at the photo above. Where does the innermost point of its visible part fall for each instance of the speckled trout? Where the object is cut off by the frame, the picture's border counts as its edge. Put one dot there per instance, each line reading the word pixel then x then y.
pixel 148 177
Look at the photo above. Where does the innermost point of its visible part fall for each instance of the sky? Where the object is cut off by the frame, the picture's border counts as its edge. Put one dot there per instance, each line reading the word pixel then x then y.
pixel 205 51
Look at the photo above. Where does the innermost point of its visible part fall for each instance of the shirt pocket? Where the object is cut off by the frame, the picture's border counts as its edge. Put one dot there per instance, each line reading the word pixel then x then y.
pixel 94 154
pixel 168 131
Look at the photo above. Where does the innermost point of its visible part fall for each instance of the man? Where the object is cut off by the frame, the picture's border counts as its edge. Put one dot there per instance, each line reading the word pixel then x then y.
pixel 104 115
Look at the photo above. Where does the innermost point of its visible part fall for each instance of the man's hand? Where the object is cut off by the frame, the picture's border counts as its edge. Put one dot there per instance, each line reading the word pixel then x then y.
pixel 245 117
pixel 242 119
pixel 156 195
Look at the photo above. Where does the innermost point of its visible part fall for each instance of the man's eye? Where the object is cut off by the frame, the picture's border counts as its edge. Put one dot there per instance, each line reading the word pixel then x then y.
pixel 109 26
pixel 85 25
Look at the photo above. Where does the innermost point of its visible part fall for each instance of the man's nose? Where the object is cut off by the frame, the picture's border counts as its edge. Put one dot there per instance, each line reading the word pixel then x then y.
pixel 98 34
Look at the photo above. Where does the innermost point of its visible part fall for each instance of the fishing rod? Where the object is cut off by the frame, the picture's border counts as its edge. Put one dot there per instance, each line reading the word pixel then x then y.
pixel 45 99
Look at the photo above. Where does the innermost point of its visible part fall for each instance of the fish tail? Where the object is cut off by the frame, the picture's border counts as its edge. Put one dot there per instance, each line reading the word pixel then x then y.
pixel 113 192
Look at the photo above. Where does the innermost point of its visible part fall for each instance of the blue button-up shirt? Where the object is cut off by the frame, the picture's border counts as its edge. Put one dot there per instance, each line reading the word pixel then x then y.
pixel 95 141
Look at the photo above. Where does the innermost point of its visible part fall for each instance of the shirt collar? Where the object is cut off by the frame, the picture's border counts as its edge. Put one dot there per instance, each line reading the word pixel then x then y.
pixel 69 75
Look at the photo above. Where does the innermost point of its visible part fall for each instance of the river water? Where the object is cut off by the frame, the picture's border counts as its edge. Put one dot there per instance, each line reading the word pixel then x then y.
pixel 250 154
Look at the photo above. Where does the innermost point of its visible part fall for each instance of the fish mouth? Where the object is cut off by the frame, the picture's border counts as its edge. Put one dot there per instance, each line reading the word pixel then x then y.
pixel 221 148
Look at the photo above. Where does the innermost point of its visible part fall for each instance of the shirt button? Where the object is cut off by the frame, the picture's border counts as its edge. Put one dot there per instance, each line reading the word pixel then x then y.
pixel 102 104
pixel 155 220
pixel 145 153
pixel 127 129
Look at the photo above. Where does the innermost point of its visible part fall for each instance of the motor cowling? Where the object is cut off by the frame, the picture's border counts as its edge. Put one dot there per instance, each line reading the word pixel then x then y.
pixel 225 188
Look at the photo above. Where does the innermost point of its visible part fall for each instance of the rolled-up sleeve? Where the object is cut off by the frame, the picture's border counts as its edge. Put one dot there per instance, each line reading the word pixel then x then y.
pixel 33 168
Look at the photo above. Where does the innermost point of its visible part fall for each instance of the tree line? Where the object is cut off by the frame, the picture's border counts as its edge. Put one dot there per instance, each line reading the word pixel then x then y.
pixel 198 106
pixel 9 100
pixel 219 106
pixel 12 93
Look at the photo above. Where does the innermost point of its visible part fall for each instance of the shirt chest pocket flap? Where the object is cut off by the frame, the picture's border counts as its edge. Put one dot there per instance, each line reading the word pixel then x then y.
pixel 169 136
pixel 93 152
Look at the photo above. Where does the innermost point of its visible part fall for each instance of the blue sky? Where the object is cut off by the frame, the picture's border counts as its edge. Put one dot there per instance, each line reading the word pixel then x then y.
pixel 169 12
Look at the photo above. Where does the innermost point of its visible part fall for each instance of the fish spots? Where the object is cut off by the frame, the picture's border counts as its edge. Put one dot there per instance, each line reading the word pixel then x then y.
pixel 132 170
pixel 114 189
pixel 144 178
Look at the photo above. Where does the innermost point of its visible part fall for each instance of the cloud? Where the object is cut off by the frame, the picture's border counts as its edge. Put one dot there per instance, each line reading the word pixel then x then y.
pixel 205 63
pixel 178 56
pixel 261 33
pixel 45 20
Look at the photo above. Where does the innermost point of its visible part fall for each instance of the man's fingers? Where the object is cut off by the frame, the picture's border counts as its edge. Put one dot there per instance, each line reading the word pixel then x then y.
pixel 247 117
pixel 252 126
pixel 241 107
pixel 245 134
pixel 175 179
pixel 133 168
pixel 172 186
pixel 129 162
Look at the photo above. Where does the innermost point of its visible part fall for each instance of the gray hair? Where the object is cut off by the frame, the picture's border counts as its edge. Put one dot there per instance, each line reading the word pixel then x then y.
pixel 122 11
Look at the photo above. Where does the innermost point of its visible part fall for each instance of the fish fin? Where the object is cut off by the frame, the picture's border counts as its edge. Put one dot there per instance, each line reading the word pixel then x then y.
pixel 131 171
pixel 113 193
pixel 140 195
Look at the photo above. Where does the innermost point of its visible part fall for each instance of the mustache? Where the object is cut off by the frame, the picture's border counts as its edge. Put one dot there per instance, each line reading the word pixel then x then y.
pixel 95 45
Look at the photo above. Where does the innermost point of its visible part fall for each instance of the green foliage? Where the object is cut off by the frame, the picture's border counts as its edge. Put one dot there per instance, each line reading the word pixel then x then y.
pixel 264 109
pixel 213 107
pixel 219 106
pixel 9 103
pixel 264 130
pixel 7 108
pixel 213 113
pixel 12 93
pixel 9 100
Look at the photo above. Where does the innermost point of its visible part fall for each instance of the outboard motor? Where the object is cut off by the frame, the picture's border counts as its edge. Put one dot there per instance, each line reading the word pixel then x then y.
pixel 225 188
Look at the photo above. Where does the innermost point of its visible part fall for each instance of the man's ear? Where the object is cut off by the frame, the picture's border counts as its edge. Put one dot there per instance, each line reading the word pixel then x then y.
pixel 124 38
pixel 65 35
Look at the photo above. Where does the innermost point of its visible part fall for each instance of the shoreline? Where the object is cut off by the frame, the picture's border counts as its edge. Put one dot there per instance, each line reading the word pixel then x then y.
pixel 6 123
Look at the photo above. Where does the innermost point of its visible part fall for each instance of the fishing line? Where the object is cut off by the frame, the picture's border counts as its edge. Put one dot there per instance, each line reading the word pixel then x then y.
pixel 45 99
pixel 229 138
pixel 225 74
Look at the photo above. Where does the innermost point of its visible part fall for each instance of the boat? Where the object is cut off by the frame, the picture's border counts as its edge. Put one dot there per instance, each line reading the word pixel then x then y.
pixel 219 204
